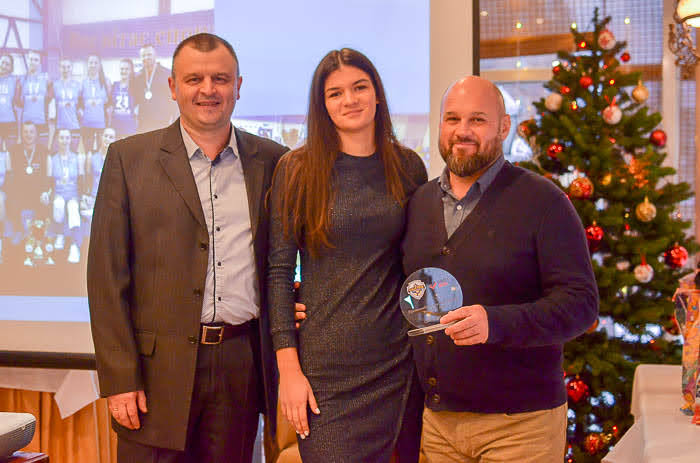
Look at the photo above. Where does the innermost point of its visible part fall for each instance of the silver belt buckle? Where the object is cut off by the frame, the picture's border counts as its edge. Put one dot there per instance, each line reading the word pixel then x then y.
pixel 206 329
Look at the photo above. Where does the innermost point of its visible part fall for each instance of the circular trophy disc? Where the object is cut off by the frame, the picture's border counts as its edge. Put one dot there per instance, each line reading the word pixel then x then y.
pixel 428 294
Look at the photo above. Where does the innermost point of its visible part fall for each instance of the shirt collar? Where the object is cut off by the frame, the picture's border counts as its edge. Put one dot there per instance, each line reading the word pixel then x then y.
pixel 192 148
pixel 483 181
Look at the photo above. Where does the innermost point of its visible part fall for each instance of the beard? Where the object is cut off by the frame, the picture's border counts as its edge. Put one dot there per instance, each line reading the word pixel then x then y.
pixel 466 165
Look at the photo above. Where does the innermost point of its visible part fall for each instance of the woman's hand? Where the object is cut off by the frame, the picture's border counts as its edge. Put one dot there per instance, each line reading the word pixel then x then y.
pixel 295 393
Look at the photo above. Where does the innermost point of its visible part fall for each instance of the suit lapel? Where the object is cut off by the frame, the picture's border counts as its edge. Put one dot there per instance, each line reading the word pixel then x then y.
pixel 254 175
pixel 173 158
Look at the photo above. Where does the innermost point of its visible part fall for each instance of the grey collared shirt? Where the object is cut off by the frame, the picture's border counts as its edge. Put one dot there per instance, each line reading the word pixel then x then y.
pixel 456 210
pixel 231 291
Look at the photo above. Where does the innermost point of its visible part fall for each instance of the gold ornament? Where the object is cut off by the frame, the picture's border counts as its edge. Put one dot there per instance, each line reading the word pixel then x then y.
pixel 638 168
pixel 581 188
pixel 606 180
pixel 640 93
pixel 645 211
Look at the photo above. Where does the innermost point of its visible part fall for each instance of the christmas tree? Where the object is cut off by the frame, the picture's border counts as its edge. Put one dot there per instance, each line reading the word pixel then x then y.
pixel 595 139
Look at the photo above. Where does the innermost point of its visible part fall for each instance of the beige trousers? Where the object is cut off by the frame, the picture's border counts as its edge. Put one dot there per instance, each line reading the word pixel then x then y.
pixel 465 437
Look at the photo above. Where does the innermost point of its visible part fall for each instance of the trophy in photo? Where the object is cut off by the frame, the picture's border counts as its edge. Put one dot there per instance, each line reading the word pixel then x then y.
pixel 426 295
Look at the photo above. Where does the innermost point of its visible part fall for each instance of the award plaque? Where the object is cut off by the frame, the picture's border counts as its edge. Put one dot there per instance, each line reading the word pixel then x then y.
pixel 426 295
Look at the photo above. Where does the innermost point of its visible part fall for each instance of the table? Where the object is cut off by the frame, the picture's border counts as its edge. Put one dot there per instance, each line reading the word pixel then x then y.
pixel 74 389
pixel 661 433
pixel 24 457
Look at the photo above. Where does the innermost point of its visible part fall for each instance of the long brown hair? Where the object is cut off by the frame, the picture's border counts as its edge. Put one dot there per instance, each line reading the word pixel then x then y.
pixel 307 186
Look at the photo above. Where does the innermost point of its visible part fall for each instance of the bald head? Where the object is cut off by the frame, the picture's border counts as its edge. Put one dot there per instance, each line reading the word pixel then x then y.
pixel 473 125
pixel 475 85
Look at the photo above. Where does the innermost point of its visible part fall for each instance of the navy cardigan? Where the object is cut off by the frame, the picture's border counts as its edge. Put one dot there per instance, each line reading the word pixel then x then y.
pixel 522 254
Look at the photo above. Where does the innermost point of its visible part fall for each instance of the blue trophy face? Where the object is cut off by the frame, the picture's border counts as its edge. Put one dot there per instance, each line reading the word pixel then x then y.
pixel 428 294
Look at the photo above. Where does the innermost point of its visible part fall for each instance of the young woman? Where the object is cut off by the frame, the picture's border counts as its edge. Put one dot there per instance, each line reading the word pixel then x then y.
pixel 9 94
pixel 123 116
pixel 94 100
pixel 339 201
pixel 66 94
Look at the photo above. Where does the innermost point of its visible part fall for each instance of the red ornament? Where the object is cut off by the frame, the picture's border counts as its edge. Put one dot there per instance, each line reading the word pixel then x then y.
pixel 593 443
pixel 581 188
pixel 585 81
pixel 676 257
pixel 671 326
pixel 658 137
pixel 594 235
pixel 582 44
pixel 556 69
pixel 593 327
pixel 565 90
pixel 554 149
pixel 576 389
pixel 625 57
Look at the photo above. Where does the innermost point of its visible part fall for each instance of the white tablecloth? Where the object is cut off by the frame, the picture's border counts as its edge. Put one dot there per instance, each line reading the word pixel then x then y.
pixel 661 433
pixel 74 388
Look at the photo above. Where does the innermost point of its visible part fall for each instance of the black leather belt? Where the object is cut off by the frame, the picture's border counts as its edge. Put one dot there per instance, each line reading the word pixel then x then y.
pixel 216 333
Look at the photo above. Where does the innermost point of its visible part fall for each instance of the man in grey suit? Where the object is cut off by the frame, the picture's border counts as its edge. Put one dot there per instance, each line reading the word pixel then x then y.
pixel 176 274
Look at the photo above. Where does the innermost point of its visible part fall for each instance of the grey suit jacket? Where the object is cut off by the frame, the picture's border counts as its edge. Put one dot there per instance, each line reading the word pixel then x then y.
pixel 147 266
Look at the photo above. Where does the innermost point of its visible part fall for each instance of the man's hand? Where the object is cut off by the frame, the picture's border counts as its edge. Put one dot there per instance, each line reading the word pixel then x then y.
pixel 472 325
pixel 123 408
pixel 299 309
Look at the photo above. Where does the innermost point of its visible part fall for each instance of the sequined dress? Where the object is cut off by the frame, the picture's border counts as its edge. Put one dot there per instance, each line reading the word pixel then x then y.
pixel 353 346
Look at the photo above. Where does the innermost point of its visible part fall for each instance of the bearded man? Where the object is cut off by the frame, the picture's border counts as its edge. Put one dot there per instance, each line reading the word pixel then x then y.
pixel 494 380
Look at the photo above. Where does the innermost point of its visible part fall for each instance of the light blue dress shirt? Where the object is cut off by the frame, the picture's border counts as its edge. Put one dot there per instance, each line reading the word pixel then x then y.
pixel 231 290
pixel 455 209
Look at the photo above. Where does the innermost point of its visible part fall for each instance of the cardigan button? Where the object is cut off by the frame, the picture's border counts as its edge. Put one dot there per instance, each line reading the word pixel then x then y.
pixel 445 251
pixel 192 339
pixel 432 381
pixel 435 398
pixel 203 246
pixel 430 339
pixel 197 292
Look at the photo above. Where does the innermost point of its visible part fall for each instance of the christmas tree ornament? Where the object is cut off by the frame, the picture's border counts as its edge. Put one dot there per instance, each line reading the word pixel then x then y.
pixel 582 44
pixel 645 211
pixel 640 93
pixel 643 272
pixel 585 81
pixel 625 57
pixel 676 257
pixel 581 188
pixel 671 326
pixel 622 265
pixel 565 90
pixel 606 40
pixel 554 149
pixel 612 114
pixel 593 443
pixel 553 102
pixel 593 327
pixel 638 169
pixel 556 69
pixel 606 180
pixel 594 236
pixel 525 128
pixel 658 138
pixel 577 389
